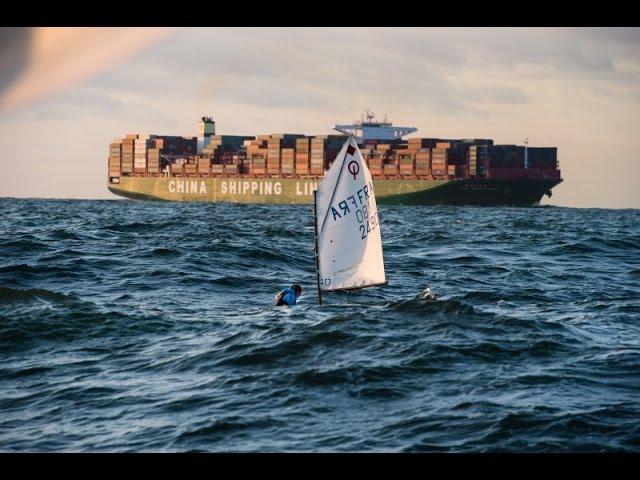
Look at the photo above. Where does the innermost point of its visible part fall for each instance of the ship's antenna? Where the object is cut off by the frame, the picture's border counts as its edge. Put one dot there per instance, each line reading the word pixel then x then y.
pixel 526 159
pixel 370 115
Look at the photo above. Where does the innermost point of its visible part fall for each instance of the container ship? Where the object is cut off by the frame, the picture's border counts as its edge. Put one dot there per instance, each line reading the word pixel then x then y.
pixel 286 168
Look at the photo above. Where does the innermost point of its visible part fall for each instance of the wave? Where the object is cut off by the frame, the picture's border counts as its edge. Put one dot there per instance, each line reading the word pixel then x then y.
pixel 420 305
pixel 118 311
pixel 11 295
pixel 141 227
pixel 221 429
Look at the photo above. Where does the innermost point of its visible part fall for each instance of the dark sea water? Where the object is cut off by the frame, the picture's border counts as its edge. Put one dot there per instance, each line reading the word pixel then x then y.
pixel 140 326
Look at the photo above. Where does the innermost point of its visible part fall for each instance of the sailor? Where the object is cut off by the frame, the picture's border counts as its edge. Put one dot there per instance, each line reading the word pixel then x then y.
pixel 288 296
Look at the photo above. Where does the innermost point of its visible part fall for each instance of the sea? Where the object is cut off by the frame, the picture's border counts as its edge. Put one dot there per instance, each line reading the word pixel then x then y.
pixel 135 326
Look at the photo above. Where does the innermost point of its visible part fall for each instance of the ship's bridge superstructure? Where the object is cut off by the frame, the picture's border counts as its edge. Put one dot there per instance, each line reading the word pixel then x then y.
pixel 370 129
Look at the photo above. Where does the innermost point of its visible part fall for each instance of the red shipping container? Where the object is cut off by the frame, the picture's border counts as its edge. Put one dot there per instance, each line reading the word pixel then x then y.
pixel 505 173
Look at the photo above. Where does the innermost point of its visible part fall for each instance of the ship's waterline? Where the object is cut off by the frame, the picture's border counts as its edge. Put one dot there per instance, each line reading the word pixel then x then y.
pixel 293 190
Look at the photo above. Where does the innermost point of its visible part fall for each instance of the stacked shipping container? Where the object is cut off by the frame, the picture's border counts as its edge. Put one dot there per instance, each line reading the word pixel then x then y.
pixel 406 163
pixel 115 158
pixel 296 155
pixel 316 165
pixel 127 153
pixel 542 157
pixel 287 161
pixel 302 156
pixel 273 155
pixel 423 162
pixel 439 157
pixel 141 145
pixel 478 155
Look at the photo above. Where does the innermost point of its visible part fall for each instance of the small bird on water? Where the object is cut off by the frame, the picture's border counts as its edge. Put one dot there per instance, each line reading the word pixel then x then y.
pixel 427 294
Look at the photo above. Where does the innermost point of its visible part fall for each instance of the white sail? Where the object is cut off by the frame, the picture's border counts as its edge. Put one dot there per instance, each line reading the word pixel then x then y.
pixel 347 226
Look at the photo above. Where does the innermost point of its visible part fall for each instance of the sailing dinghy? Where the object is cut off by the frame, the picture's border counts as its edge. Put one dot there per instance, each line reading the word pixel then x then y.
pixel 347 228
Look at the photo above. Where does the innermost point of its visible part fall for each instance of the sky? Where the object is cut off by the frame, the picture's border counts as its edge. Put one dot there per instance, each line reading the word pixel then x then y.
pixel 65 93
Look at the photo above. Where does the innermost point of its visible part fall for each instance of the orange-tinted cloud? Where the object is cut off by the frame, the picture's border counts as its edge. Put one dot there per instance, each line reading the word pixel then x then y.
pixel 59 58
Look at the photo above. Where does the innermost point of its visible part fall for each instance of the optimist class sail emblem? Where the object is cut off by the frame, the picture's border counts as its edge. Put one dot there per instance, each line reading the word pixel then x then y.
pixel 353 166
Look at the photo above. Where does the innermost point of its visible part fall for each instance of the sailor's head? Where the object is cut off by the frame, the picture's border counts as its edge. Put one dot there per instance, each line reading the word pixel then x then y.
pixel 297 289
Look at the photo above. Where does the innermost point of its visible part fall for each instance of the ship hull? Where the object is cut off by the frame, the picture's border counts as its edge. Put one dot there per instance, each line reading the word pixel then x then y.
pixel 525 191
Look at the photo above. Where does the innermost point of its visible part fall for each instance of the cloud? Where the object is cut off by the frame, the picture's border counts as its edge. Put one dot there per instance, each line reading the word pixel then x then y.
pixel 58 58
pixel 490 94
pixel 14 50
pixel 438 68
pixel 81 102
pixel 283 68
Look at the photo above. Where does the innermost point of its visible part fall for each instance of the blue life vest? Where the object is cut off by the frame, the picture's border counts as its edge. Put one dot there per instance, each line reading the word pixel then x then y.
pixel 289 297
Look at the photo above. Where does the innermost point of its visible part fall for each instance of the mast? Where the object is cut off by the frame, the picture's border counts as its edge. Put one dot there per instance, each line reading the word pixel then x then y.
pixel 315 238
pixel 526 159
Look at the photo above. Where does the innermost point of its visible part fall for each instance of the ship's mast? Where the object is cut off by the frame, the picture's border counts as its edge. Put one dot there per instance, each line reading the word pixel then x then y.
pixel 369 115
pixel 526 159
